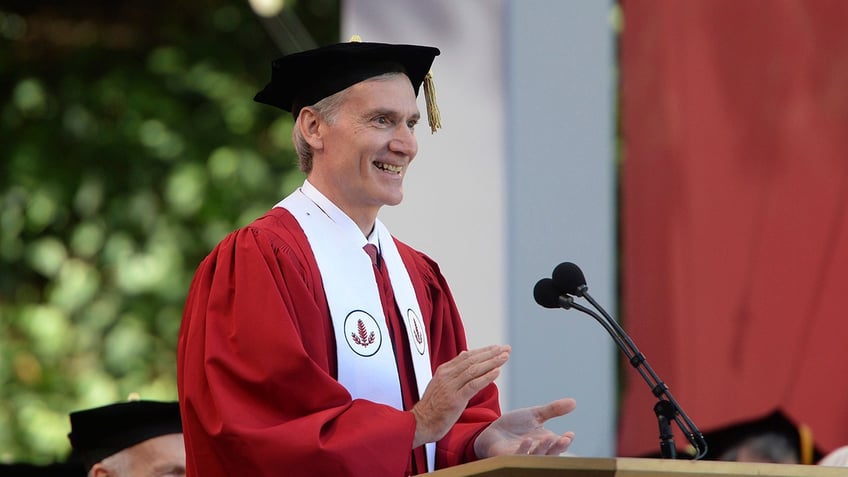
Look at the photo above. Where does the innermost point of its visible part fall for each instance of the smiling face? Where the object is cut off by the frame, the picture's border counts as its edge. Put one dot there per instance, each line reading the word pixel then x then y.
pixel 362 155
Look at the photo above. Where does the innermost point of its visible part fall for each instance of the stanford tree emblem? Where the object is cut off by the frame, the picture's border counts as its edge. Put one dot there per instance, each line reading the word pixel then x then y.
pixel 362 333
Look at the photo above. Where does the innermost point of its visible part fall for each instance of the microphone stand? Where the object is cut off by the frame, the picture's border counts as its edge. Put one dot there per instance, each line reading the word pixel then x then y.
pixel 567 301
pixel 665 413
pixel 666 409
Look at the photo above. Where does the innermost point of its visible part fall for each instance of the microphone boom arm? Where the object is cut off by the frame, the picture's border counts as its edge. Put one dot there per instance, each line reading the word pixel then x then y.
pixel 658 387
pixel 567 302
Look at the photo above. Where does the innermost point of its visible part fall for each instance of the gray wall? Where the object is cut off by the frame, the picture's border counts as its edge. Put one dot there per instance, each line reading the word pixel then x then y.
pixel 519 179
pixel 560 203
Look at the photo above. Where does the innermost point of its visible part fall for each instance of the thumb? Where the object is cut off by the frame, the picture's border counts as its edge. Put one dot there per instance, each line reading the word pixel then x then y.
pixel 557 408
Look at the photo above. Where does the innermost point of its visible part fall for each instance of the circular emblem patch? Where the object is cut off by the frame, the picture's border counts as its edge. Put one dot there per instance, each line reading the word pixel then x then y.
pixel 362 333
pixel 415 327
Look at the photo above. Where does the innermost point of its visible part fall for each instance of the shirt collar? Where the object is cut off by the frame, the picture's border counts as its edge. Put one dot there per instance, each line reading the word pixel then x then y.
pixel 335 213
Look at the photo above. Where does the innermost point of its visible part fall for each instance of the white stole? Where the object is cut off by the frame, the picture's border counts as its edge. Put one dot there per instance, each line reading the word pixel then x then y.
pixel 366 362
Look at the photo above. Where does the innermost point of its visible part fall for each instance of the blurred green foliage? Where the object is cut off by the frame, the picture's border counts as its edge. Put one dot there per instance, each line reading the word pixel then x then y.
pixel 129 146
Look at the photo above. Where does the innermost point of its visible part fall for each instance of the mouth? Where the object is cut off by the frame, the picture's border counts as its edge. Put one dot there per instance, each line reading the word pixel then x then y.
pixel 389 168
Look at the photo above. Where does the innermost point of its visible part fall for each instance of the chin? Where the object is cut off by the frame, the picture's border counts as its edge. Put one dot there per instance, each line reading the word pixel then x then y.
pixel 395 199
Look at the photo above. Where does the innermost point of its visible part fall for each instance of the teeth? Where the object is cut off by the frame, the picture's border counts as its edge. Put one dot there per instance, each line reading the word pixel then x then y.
pixel 388 167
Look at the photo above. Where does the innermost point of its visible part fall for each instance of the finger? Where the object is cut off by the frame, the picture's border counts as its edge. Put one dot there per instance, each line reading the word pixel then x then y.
pixel 557 408
pixel 480 368
pixel 472 387
pixel 470 357
pixel 491 349
pixel 562 444
pixel 524 447
pixel 544 444
pixel 486 352
pixel 470 365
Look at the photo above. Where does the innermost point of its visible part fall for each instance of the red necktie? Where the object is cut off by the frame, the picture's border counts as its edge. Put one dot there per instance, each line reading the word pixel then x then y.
pixel 371 250
pixel 405 367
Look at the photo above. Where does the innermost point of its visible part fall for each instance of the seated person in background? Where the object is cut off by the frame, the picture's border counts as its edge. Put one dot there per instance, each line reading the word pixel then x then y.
pixel 130 439
pixel 772 447
pixel 771 438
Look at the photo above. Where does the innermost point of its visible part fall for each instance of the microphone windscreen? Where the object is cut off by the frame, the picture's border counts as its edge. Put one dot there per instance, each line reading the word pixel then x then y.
pixel 546 293
pixel 568 278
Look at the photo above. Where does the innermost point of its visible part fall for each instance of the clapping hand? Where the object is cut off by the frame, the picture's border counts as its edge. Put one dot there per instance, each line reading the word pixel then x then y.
pixel 521 432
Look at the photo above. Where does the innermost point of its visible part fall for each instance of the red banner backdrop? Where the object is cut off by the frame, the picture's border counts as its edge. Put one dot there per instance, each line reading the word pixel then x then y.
pixel 735 212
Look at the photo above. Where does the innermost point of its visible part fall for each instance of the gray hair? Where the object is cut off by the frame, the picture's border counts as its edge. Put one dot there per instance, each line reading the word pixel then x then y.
pixel 771 446
pixel 327 109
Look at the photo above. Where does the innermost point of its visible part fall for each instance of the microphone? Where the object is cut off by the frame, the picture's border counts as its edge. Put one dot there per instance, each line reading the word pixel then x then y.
pixel 567 281
pixel 549 295
pixel 569 278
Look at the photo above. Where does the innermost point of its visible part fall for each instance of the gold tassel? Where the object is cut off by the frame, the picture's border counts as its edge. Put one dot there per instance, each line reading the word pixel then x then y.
pixel 433 116
pixel 805 434
pixel 355 39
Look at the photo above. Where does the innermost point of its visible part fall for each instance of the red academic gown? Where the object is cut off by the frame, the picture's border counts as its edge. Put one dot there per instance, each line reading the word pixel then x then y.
pixel 257 367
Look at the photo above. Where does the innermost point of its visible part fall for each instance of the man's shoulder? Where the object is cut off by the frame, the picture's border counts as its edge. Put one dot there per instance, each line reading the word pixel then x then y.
pixel 280 228
pixel 276 229
pixel 420 260
pixel 407 250
pixel 275 218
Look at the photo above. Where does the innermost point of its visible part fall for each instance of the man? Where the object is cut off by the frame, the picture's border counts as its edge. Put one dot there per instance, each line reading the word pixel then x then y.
pixel 301 351
pixel 130 439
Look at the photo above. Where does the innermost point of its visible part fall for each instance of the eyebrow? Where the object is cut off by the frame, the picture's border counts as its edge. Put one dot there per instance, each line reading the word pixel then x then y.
pixel 390 112
pixel 169 469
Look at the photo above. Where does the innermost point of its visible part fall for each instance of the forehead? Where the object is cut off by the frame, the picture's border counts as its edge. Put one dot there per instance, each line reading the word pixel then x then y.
pixel 169 447
pixel 393 92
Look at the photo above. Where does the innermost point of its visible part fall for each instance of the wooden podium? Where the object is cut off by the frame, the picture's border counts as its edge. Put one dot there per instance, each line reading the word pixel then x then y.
pixel 550 466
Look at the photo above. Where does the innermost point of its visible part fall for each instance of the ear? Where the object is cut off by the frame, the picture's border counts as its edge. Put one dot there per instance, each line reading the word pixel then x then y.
pixel 311 129
pixel 99 470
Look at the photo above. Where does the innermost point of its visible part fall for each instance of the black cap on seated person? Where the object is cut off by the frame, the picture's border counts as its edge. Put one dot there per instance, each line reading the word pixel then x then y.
pixel 302 79
pixel 103 431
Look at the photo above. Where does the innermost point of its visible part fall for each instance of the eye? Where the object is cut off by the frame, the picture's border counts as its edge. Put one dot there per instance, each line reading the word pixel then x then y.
pixel 411 123
pixel 382 120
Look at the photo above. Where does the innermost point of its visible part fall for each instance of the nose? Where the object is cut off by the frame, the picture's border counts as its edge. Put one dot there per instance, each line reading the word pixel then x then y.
pixel 403 142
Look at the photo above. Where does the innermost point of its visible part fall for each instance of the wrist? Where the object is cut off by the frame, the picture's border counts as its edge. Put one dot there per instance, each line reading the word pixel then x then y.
pixel 420 437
